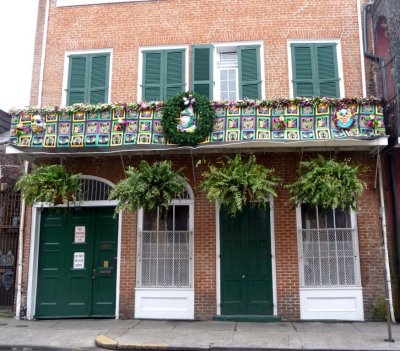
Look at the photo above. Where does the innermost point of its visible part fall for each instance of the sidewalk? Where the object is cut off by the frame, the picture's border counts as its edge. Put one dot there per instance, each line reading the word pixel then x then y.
pixel 197 335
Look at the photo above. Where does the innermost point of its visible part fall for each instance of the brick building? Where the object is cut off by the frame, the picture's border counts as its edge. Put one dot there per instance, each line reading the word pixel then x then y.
pixel 282 262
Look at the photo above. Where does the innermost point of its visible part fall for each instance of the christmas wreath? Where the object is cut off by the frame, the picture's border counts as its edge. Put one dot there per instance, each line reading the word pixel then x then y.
pixel 187 119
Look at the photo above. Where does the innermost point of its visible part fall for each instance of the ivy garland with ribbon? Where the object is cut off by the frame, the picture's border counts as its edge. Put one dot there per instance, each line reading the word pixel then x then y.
pixel 187 119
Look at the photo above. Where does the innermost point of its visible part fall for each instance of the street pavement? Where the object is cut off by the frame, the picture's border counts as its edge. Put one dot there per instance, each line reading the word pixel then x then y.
pixel 85 334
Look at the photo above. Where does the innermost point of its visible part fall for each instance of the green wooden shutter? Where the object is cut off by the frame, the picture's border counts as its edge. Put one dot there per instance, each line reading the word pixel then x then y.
pixel 328 79
pixel 302 63
pixel 76 79
pixel 202 70
pixel 99 71
pixel 151 87
pixel 249 72
pixel 174 73
pixel 315 71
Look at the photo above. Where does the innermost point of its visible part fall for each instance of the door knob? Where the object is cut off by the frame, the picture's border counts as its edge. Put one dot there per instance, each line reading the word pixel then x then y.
pixel 94 273
pixel 243 276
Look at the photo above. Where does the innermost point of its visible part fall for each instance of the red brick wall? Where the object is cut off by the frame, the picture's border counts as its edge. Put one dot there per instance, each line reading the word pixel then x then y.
pixel 126 26
pixel 287 272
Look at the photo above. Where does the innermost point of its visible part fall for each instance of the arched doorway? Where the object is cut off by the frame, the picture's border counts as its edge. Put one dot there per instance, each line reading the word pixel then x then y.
pixel 76 249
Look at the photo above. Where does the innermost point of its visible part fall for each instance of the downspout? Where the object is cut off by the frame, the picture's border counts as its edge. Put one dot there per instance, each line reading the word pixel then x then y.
pixel 43 54
pixel 388 286
pixel 20 251
pixel 380 60
pixel 360 33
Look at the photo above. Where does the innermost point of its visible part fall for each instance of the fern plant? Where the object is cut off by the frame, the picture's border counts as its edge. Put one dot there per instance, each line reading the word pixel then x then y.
pixel 148 186
pixel 50 184
pixel 327 183
pixel 237 183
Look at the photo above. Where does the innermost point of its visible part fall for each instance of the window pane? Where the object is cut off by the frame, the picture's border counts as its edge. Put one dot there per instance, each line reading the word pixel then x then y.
pixel 325 218
pixel 182 217
pixel 150 220
pixel 342 219
pixel 224 75
pixel 308 216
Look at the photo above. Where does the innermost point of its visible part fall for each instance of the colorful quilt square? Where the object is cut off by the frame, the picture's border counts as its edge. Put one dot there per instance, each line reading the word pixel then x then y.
pixel 116 139
pixel 307 110
pixel 233 135
pixel 218 124
pixel 144 138
pixel 233 111
pixel 78 128
pixel 51 117
pixel 77 140
pixel 220 111
pixel 292 135
pixel 233 123
pixel 158 114
pixel 79 117
pixel 130 138
pixel 91 127
pixel 217 136
pixel 65 116
pixel 50 141
pixel 248 110
pixel 248 134
pixel 14 119
pixel 379 109
pixel 94 115
pixel 278 111
pixel 292 122
pixel 51 128
pixel 130 114
pixel 104 127
pixel 293 109
pixel 37 140
pixel 323 134
pixel 146 114
pixel 263 135
pixel 25 141
pixel 263 111
pixel 131 127
pixel 157 126
pixel 145 126
pixel 307 134
pixel 278 135
pixel 322 109
pixel 26 118
pixel 158 139
pixel 13 141
pixel 322 121
pixel 90 140
pixel 307 123
pixel 103 140
pixel 63 140
pixel 276 123
pixel 338 134
pixel 105 115
pixel 118 114
pixel 263 122
pixel 248 122
pixel 64 128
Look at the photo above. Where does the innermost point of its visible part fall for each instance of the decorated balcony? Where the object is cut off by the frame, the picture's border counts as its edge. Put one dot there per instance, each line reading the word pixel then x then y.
pixel 209 124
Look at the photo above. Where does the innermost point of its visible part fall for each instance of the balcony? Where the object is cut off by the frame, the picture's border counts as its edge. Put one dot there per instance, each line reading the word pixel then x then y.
pixel 282 123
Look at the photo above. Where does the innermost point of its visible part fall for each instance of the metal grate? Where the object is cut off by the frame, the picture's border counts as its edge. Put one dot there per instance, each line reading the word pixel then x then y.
pixel 165 259
pixel 9 228
pixel 95 190
pixel 329 257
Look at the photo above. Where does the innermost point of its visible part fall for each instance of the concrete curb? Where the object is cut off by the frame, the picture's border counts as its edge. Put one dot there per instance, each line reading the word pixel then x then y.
pixel 106 343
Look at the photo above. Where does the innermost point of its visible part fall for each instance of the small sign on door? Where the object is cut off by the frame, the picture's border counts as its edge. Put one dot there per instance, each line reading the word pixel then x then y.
pixel 80 234
pixel 79 260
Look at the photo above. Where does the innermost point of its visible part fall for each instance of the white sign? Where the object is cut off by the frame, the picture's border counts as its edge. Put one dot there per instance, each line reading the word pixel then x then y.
pixel 80 234
pixel 79 260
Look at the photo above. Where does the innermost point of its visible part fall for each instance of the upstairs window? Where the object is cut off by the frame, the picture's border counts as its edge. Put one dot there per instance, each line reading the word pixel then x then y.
pixel 315 70
pixel 237 71
pixel 163 74
pixel 88 78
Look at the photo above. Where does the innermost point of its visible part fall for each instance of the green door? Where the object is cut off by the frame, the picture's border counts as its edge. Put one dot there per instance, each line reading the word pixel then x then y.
pixel 246 272
pixel 77 263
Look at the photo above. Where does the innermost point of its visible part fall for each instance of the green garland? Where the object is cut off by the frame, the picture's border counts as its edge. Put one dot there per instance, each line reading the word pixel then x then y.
pixel 171 112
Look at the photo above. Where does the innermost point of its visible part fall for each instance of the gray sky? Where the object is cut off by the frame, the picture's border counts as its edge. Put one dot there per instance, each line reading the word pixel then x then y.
pixel 17 34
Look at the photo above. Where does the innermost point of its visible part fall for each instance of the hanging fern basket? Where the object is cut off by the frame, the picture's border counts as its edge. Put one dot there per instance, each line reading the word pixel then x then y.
pixel 50 184
pixel 327 183
pixel 149 187
pixel 237 183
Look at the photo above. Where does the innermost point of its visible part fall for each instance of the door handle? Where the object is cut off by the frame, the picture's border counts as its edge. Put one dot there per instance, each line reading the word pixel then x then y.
pixel 94 273
pixel 243 276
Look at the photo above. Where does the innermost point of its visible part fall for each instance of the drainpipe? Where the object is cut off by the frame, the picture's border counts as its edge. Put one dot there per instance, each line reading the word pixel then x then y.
pixel 378 59
pixel 20 251
pixel 360 33
pixel 43 54
pixel 388 285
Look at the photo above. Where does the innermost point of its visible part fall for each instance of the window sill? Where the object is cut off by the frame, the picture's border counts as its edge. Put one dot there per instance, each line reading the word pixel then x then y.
pixel 62 3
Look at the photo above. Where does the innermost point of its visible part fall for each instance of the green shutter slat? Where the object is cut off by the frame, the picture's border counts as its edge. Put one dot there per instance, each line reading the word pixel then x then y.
pixel 152 76
pixel 174 74
pixel 76 80
pixel 302 63
pixel 327 70
pixel 202 66
pixel 99 79
pixel 249 72
pixel 315 71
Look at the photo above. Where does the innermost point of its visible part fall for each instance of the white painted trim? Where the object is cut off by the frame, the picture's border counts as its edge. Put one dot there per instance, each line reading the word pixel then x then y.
pixel 164 303
pixel 313 41
pixel 332 304
pixel 62 3
pixel 34 247
pixel 158 48
pixel 273 258
pixel 66 67
pixel 33 263
pixel 218 260
pixel 273 255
